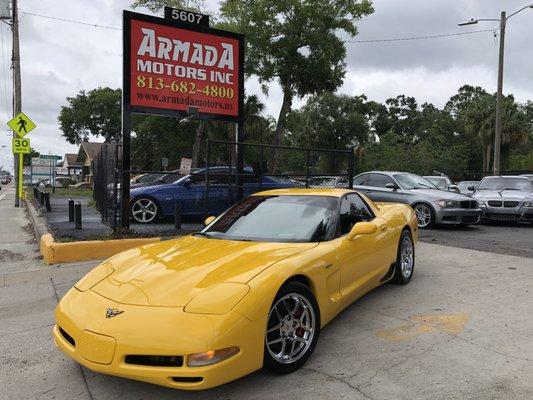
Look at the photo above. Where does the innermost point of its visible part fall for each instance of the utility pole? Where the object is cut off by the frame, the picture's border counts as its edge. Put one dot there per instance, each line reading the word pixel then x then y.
pixel 499 98
pixel 17 87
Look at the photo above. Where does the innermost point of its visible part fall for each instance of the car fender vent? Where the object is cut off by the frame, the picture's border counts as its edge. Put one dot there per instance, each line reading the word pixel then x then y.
pixel 67 337
pixel 154 361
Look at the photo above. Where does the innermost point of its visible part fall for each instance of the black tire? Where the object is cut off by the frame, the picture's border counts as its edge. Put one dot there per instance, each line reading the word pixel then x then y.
pixel 400 277
pixel 141 218
pixel 300 291
pixel 417 207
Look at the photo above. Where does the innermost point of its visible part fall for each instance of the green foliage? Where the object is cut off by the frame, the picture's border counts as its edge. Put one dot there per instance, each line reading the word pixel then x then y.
pixel 26 159
pixel 96 113
pixel 158 5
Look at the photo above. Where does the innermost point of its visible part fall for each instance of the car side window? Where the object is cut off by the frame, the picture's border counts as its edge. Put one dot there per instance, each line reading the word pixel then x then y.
pixel 353 210
pixel 380 180
pixel 362 180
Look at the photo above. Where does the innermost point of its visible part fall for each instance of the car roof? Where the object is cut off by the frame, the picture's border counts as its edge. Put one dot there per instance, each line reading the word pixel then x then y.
pixel 435 176
pixel 332 192
pixel 506 176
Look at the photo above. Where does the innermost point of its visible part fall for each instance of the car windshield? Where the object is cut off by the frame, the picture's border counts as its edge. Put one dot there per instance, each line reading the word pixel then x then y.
pixel 464 185
pixel 440 183
pixel 506 183
pixel 278 219
pixel 170 178
pixel 147 178
pixel 412 181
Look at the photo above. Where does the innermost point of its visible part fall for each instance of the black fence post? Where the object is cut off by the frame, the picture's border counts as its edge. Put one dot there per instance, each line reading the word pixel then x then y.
pixel 70 210
pixel 77 215
pixel 47 201
pixel 350 168
pixel 307 162
pixel 41 198
pixel 206 182
pixel 261 155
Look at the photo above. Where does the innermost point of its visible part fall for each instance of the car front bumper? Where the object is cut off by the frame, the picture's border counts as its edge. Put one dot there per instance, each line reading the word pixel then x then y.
pixel 456 216
pixel 101 344
pixel 507 214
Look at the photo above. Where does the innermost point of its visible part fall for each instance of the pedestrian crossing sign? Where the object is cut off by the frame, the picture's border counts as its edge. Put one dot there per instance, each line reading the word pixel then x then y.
pixel 21 124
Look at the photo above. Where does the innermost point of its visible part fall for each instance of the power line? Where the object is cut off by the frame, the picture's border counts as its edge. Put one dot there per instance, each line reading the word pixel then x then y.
pixel 419 37
pixel 71 21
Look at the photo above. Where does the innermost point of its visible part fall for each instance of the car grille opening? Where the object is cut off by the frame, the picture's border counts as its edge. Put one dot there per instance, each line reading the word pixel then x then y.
pixel 503 217
pixel 187 379
pixel 155 361
pixel 510 203
pixel 528 216
pixel 469 219
pixel 67 337
pixel 469 204
pixel 495 203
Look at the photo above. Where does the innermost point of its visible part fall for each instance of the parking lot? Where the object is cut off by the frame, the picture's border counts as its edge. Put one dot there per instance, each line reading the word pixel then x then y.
pixel 459 330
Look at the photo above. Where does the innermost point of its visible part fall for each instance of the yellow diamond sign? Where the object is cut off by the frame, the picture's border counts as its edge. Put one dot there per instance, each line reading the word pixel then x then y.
pixel 21 124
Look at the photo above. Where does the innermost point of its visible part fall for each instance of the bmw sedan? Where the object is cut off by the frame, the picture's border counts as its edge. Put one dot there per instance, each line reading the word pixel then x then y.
pixel 506 198
pixel 432 206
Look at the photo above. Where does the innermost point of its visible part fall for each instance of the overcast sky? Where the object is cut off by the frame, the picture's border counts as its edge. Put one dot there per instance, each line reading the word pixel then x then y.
pixel 60 58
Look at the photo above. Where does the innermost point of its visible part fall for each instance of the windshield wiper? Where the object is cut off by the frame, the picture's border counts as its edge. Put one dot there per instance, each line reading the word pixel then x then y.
pixel 203 234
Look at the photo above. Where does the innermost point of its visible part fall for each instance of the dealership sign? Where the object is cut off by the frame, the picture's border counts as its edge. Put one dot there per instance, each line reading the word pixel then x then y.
pixel 172 67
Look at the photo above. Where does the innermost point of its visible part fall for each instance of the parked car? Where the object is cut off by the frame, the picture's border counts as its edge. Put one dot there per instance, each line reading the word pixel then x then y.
pixel 149 203
pixel 467 187
pixel 442 182
pixel 4 179
pixel 251 290
pixel 529 176
pixel 432 206
pixel 505 198
pixel 328 182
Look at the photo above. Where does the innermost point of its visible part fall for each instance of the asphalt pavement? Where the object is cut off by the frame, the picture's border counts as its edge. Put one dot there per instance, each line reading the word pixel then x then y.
pixel 460 330
pixel 502 238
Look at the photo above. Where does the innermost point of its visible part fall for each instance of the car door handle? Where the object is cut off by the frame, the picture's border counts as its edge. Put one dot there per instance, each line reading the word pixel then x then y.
pixel 385 229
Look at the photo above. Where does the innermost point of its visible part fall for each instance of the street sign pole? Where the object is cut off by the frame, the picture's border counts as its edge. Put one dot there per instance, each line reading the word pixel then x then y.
pixel 21 159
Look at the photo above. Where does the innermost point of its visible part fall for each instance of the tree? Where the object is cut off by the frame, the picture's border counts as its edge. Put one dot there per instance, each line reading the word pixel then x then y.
pixel 96 113
pixel 157 5
pixel 26 160
pixel 296 43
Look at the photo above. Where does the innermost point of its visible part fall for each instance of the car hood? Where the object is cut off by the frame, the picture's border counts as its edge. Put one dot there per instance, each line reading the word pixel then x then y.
pixel 516 195
pixel 152 188
pixel 436 194
pixel 172 273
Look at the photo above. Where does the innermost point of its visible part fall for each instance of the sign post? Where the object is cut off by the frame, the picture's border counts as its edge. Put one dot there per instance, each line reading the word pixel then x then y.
pixel 177 67
pixel 21 125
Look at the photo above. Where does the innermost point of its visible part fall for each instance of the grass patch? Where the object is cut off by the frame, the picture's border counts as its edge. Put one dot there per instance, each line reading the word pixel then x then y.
pixel 73 192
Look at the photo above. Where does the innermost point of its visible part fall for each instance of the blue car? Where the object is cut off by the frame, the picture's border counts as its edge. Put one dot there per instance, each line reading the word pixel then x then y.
pixel 150 203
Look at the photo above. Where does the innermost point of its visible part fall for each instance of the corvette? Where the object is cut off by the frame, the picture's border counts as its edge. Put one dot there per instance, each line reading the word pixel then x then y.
pixel 251 290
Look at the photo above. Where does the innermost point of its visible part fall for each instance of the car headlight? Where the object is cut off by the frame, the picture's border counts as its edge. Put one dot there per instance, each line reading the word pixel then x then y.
pixel 217 299
pixel 95 276
pixel 528 204
pixel 481 203
pixel 448 203
pixel 211 357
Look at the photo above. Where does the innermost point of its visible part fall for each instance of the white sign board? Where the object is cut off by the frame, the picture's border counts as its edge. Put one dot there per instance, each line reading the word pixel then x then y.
pixel 185 166
pixel 5 12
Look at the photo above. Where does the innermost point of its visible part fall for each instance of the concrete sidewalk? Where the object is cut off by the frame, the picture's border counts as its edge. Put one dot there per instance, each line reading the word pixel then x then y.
pixel 460 330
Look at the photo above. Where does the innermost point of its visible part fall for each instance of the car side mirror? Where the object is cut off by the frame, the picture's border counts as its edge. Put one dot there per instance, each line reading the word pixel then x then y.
pixel 472 188
pixel 208 220
pixel 392 186
pixel 453 188
pixel 362 228
pixel 187 182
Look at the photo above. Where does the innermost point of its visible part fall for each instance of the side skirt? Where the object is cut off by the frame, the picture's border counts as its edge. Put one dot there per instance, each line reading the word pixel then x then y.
pixel 389 274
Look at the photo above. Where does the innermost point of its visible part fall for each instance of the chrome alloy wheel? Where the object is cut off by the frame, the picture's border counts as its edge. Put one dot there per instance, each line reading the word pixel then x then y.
pixel 291 328
pixel 144 210
pixel 423 215
pixel 407 258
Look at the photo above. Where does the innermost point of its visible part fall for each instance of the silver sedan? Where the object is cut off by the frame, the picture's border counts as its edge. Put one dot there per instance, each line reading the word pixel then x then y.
pixel 506 198
pixel 432 206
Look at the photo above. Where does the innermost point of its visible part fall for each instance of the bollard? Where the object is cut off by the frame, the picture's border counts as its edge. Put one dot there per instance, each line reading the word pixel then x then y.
pixel 41 198
pixel 177 217
pixel 77 215
pixel 70 210
pixel 35 192
pixel 47 201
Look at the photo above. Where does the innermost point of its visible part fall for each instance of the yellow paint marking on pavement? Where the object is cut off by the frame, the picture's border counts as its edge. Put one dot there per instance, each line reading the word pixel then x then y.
pixel 449 323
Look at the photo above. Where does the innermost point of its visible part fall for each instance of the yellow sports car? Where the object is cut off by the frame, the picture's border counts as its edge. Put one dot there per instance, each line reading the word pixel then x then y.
pixel 251 290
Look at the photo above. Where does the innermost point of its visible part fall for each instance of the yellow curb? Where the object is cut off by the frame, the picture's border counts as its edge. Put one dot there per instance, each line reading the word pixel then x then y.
pixel 54 252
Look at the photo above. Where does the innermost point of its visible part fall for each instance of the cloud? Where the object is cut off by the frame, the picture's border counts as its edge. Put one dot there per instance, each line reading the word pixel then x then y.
pixel 59 58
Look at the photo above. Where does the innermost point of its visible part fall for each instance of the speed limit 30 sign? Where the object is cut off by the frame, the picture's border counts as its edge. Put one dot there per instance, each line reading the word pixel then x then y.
pixel 21 145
